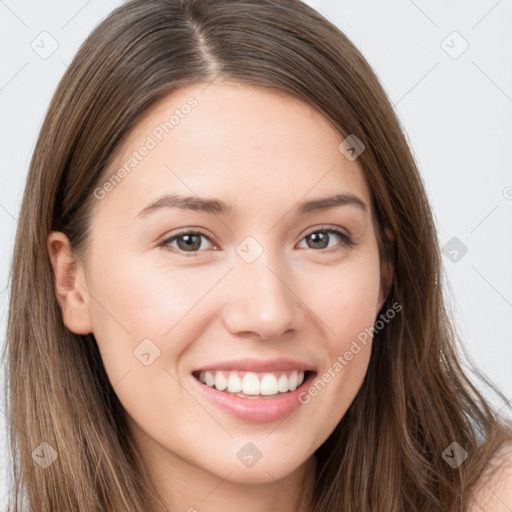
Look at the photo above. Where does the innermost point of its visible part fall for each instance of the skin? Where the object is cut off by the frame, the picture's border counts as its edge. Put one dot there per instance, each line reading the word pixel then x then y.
pixel 263 152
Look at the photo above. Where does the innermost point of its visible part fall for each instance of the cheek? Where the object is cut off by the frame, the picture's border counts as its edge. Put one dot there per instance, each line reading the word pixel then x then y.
pixel 139 313
pixel 144 299
pixel 134 303
pixel 344 299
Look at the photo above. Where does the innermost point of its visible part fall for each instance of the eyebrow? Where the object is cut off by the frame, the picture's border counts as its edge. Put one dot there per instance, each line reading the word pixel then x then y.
pixel 217 207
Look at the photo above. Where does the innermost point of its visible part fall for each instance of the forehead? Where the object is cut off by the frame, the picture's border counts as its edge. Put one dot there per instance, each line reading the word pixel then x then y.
pixel 238 142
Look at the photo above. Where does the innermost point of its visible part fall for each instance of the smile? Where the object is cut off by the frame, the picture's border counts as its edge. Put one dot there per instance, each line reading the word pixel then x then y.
pixel 252 384
pixel 255 391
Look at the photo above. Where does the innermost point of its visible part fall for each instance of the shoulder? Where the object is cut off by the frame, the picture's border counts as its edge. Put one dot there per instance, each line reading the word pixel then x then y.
pixel 493 492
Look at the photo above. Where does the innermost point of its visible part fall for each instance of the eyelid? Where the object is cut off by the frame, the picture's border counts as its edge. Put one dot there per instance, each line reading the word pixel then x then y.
pixel 343 234
pixel 190 231
pixel 327 227
pixel 347 239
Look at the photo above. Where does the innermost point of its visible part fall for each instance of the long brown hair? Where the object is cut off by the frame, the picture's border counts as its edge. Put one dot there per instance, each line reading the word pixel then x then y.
pixel 386 454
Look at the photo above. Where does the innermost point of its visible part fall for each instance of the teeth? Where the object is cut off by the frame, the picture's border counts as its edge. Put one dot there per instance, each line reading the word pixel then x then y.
pixel 292 381
pixel 209 379
pixel 269 384
pixel 234 384
pixel 282 384
pixel 252 383
pixel 221 383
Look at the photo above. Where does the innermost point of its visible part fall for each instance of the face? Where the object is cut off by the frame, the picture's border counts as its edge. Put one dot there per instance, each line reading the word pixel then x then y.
pixel 257 292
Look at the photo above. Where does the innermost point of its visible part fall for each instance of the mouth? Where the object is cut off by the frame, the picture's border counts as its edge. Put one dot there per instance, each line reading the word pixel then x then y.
pixel 255 385
pixel 256 391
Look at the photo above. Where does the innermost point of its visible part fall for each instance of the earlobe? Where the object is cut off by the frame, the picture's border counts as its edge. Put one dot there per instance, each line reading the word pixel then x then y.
pixel 70 286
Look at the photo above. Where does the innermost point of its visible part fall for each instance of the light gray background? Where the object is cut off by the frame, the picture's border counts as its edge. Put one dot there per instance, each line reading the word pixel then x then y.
pixel 456 111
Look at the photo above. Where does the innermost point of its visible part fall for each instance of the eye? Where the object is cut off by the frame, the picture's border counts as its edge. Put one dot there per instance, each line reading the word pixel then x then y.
pixel 191 241
pixel 188 241
pixel 320 237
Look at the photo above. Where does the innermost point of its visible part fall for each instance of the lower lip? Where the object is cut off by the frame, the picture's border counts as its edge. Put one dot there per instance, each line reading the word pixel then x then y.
pixel 257 410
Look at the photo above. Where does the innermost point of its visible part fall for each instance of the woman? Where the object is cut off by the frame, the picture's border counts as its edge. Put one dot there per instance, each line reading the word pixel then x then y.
pixel 226 283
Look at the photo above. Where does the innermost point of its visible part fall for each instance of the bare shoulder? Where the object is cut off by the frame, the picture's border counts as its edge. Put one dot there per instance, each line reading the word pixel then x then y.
pixel 494 490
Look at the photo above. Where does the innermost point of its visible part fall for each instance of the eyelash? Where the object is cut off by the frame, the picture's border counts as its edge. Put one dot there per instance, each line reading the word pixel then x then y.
pixel 347 240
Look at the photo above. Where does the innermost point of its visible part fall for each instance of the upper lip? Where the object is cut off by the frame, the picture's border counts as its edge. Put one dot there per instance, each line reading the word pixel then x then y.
pixel 258 365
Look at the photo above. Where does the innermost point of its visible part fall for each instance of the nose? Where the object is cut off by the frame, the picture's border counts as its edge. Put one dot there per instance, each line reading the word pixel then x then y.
pixel 261 301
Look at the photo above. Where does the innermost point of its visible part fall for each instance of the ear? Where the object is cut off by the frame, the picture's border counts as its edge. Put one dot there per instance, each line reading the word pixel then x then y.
pixel 386 270
pixel 70 284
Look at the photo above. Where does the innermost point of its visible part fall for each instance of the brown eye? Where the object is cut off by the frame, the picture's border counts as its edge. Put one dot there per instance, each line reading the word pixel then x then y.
pixel 189 241
pixel 321 238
